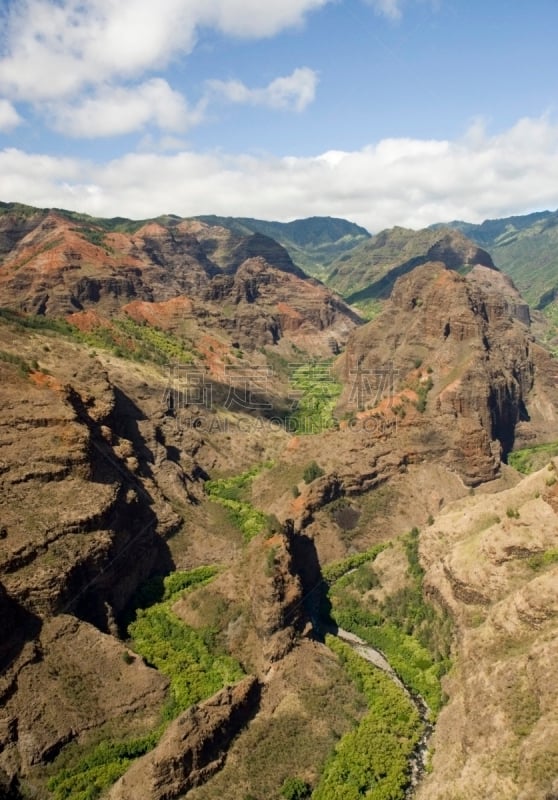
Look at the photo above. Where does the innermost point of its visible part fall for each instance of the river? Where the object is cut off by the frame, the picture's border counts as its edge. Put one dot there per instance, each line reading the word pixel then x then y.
pixel 419 756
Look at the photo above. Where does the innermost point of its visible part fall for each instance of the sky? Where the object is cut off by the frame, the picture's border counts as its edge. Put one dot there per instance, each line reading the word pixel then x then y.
pixel 383 112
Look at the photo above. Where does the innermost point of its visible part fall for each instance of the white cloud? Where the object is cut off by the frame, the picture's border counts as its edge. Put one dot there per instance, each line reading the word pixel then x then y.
pixel 9 118
pixel 115 110
pixel 292 92
pixel 387 8
pixel 54 48
pixel 254 18
pixel 395 181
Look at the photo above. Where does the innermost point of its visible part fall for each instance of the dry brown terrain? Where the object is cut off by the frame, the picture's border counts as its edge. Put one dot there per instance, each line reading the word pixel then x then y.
pixel 103 485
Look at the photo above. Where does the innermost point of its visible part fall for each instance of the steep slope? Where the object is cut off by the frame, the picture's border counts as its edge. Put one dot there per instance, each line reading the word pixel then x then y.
pixel 524 247
pixel 312 243
pixel 491 560
pixel 370 270
pixel 247 285
pixel 457 349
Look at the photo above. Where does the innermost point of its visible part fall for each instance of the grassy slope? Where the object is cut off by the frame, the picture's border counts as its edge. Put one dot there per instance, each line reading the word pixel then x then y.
pixel 525 247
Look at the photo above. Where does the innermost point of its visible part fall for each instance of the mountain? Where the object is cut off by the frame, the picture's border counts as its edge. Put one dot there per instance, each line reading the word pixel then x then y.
pixel 368 272
pixel 525 247
pixel 312 243
pixel 56 263
pixel 251 546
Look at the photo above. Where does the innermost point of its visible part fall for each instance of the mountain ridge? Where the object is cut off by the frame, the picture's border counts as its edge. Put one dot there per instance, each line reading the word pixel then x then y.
pixel 206 457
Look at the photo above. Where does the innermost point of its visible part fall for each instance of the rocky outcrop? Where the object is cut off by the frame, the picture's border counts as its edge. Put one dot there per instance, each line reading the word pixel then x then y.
pixel 54 265
pixel 72 693
pixel 83 521
pixel 455 348
pixel 484 559
pixel 193 747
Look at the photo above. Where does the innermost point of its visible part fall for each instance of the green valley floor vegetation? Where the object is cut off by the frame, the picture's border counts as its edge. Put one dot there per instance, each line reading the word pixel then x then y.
pixel 531 459
pixel 315 391
pixel 192 660
pixel 372 760
pixel 414 636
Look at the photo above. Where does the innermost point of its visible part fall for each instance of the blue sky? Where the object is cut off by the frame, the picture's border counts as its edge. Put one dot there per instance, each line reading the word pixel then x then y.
pixel 381 111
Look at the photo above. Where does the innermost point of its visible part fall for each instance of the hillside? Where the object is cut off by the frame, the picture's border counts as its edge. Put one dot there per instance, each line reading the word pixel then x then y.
pixel 213 474
pixel 312 243
pixel 525 247
pixel 368 273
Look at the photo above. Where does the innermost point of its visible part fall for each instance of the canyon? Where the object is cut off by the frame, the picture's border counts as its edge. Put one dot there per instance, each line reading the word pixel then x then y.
pixel 180 396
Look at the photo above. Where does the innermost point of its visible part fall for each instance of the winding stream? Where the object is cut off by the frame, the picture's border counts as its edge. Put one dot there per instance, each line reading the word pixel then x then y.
pixel 419 756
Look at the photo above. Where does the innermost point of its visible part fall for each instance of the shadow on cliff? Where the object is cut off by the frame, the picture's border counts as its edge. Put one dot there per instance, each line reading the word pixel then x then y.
pixel 125 418
pixel 315 600
pixel 18 626
pixel 101 587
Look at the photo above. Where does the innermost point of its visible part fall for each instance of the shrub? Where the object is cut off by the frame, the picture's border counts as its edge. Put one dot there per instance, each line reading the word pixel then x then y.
pixel 295 789
pixel 312 471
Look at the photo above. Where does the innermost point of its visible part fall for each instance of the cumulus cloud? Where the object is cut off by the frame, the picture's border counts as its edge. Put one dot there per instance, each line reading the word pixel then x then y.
pixel 292 92
pixel 54 48
pixel 9 118
pixel 406 182
pixel 116 110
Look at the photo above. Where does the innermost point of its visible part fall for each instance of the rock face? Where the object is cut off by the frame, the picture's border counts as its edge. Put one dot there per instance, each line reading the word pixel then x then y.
pixel 459 350
pixel 497 735
pixel 193 747
pixel 82 523
pixel 54 265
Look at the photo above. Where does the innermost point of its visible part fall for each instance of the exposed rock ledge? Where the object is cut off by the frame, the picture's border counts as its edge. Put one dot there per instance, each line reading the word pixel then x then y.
pixel 193 747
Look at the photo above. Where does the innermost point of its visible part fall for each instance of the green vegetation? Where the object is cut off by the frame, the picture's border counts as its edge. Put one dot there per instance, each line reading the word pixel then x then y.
pixel 317 391
pixel 146 342
pixel 93 235
pixel 191 659
pixel 414 636
pixel 542 560
pixel 123 336
pixel 369 309
pixel 531 459
pixel 17 361
pixel 37 322
pixel 100 769
pixel 311 472
pixel 311 243
pixel 232 494
pixel 159 589
pixel 132 340
pixel 334 571
pixel 295 789
pixel 512 513
pixel 524 247
pixel 422 388
pixel 372 760
pixel 188 656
